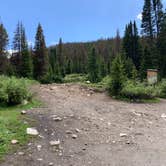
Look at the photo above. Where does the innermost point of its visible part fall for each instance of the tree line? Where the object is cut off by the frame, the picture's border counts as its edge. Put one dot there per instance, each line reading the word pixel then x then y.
pixel 51 64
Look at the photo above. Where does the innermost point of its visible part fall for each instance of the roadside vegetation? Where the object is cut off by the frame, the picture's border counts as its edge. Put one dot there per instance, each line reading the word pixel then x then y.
pixel 14 97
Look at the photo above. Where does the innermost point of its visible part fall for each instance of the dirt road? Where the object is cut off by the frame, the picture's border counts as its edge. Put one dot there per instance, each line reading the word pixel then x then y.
pixel 94 130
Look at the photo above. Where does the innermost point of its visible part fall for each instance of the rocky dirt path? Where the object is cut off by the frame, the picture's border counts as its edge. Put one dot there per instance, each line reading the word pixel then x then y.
pixel 93 130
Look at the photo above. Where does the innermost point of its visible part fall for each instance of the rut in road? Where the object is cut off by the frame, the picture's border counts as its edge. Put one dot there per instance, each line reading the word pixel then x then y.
pixel 93 130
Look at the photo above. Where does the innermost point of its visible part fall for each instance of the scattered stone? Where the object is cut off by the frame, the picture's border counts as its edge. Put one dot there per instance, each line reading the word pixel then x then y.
pixel 71 116
pixel 88 82
pixel 41 136
pixel 50 164
pixel 55 143
pixel 25 102
pixel 53 133
pixel 60 154
pixel 68 132
pixel 14 141
pixel 77 130
pixel 163 116
pixel 25 122
pixel 39 147
pixel 53 88
pixel 57 119
pixel 109 124
pixel 39 159
pixel 123 134
pixel 32 131
pixel 23 112
pixel 136 113
pixel 74 136
pixel 128 142
pixel 29 144
pixel 21 153
pixel 88 95
pixel 53 116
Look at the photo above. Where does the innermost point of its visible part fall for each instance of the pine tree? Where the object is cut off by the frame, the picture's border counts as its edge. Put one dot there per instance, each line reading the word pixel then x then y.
pixel 147 20
pixel 131 44
pixel 161 45
pixel 3 39
pixel 21 60
pixel 92 66
pixel 157 15
pixel 41 60
pixel 18 47
pixel 117 42
pixel 102 68
pixel 118 76
pixel 26 57
pixel 3 45
pixel 53 59
pixel 146 62
pixel 60 58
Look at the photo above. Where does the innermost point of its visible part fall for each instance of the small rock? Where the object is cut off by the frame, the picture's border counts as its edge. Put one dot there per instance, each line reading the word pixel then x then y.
pixel 74 136
pixel 50 164
pixel 41 136
pixel 32 131
pixel 109 124
pixel 39 147
pixel 54 116
pixel 123 134
pixel 57 119
pixel 14 141
pixel 25 122
pixel 68 132
pixel 25 102
pixel 88 95
pixel 29 144
pixel 78 130
pixel 23 112
pixel 21 153
pixel 55 143
pixel 60 154
pixel 136 113
pixel 163 115
pixel 88 82
pixel 39 159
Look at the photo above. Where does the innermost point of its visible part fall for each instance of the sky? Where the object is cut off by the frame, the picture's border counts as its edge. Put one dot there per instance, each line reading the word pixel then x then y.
pixel 72 20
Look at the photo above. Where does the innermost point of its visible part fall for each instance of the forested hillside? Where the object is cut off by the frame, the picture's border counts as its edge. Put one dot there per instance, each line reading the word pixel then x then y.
pixel 139 52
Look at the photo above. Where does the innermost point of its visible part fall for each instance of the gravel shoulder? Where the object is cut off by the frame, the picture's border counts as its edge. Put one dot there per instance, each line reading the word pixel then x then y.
pixel 93 130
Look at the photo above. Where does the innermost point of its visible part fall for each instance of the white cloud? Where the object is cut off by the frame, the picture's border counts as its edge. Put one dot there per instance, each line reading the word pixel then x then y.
pixel 11 51
pixel 30 43
pixel 139 16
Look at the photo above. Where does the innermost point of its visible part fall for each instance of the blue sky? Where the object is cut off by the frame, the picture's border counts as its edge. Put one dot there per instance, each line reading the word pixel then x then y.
pixel 73 20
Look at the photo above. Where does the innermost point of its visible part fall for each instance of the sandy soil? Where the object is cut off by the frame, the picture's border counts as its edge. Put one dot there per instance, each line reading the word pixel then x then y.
pixel 109 132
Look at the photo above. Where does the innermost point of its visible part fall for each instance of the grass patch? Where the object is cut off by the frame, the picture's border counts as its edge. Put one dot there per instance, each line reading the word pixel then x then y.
pixel 82 79
pixel 12 126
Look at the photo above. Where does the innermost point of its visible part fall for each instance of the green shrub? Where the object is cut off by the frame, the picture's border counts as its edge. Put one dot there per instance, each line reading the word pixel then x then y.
pixel 118 76
pixel 160 91
pixel 13 91
pixel 137 91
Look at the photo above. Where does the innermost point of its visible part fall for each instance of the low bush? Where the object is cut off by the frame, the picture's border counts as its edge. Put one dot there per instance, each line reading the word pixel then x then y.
pixel 160 91
pixel 13 91
pixel 75 78
pixel 137 91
